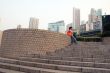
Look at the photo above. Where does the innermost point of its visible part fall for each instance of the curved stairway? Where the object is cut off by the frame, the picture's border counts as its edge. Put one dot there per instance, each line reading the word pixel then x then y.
pixel 52 64
pixel 81 58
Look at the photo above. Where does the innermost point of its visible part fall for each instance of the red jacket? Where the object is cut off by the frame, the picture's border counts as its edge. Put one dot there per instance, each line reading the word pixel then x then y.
pixel 69 33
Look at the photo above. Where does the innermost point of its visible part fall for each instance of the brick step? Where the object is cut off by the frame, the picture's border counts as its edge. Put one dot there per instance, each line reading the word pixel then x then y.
pixel 100 60
pixel 57 67
pixel 30 69
pixel 87 51
pixel 70 63
pixel 9 71
pixel 81 52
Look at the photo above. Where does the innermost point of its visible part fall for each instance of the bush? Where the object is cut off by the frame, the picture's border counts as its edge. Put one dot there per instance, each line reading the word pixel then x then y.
pixel 90 39
pixel 106 34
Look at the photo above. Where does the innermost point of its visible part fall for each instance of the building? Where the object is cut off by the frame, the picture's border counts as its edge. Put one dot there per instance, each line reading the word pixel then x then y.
pixel 95 19
pixel 76 20
pixel 33 23
pixel 106 25
pixel 96 25
pixel 92 15
pixel 91 26
pixel 99 12
pixel 99 19
pixel 87 26
pixel 57 26
pixel 84 27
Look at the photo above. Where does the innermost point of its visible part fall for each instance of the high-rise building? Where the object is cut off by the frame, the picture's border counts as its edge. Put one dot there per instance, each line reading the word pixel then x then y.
pixel 106 24
pixel 99 12
pixel 99 18
pixel 95 19
pixel 33 23
pixel 57 26
pixel 92 15
pixel 76 20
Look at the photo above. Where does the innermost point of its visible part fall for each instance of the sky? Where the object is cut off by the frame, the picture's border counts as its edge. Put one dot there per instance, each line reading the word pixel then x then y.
pixel 15 12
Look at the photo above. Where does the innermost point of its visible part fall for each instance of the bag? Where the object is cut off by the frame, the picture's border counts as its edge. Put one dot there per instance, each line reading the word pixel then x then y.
pixel 69 33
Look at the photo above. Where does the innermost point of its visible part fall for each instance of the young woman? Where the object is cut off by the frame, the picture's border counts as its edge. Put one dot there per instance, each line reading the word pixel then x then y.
pixel 70 34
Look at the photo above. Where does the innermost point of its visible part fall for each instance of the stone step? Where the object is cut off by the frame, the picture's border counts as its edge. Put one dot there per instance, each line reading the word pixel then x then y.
pixel 87 51
pixel 30 69
pixel 57 67
pixel 9 71
pixel 100 60
pixel 65 62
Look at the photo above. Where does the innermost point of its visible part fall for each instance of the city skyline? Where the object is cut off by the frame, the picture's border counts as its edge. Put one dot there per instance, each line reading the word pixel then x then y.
pixel 16 12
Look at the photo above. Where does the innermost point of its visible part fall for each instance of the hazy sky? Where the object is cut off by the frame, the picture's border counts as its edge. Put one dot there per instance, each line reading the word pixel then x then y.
pixel 15 12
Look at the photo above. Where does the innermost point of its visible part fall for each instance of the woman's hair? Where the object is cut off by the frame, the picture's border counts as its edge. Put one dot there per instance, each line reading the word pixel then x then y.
pixel 70 28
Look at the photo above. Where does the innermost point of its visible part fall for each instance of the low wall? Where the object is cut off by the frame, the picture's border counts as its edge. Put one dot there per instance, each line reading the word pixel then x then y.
pixel 22 42
pixel 0 37
pixel 106 40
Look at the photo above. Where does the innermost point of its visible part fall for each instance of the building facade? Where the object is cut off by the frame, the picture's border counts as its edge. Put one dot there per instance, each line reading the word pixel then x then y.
pixel 95 19
pixel 57 26
pixel 76 20
pixel 84 27
pixel 33 23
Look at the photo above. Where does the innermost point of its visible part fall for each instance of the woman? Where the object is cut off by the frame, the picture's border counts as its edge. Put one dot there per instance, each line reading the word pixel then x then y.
pixel 70 34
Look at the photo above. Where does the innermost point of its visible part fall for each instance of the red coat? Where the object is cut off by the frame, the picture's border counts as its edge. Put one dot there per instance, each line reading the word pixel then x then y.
pixel 69 33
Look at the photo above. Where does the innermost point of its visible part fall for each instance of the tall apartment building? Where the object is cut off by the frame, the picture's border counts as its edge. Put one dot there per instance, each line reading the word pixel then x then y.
pixel 76 20
pixel 33 23
pixel 58 26
pixel 92 15
pixel 95 19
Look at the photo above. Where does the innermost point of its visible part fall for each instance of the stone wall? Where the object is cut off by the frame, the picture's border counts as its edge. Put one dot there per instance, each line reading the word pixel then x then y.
pixel 0 37
pixel 21 42
pixel 106 40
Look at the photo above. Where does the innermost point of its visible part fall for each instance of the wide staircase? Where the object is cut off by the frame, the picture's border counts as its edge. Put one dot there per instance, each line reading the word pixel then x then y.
pixel 84 57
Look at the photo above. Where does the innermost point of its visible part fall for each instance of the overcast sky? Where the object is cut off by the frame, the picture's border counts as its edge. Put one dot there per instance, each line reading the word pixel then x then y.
pixel 15 12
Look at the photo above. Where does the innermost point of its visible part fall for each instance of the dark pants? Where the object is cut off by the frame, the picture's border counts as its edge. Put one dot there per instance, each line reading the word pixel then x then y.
pixel 73 40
